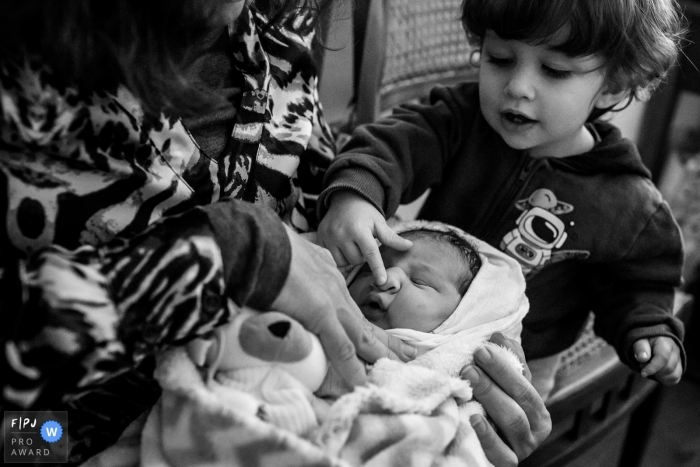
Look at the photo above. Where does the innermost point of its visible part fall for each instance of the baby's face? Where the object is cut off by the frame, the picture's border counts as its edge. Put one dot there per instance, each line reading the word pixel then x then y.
pixel 421 291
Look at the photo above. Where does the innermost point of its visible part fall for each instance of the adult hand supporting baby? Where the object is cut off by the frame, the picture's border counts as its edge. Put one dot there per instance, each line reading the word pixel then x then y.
pixel 315 294
pixel 512 403
pixel 348 231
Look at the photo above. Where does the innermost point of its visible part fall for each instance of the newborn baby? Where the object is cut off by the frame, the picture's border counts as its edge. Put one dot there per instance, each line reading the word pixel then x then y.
pixel 424 284
pixel 449 290
pixel 446 295
pixel 251 387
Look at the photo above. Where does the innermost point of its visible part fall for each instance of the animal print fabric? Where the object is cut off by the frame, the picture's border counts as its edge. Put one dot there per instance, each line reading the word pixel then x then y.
pixel 78 170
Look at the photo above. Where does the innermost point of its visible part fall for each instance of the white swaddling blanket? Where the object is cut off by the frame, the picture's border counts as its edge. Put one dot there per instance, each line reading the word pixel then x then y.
pixel 494 302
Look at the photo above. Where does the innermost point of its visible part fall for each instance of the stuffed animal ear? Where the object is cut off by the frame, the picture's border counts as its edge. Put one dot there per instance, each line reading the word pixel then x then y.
pixel 208 352
pixel 198 350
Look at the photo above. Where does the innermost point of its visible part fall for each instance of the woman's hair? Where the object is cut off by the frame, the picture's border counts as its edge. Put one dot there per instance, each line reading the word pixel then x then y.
pixel 146 45
pixel 638 39
pixel 467 256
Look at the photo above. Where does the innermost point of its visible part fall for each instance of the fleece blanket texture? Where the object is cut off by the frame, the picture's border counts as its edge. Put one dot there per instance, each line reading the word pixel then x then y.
pixel 408 415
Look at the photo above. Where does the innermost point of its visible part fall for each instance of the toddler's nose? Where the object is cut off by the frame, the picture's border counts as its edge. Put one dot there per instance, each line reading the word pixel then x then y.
pixel 520 84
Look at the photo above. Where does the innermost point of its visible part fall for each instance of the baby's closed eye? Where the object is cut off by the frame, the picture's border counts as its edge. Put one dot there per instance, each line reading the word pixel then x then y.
pixel 422 282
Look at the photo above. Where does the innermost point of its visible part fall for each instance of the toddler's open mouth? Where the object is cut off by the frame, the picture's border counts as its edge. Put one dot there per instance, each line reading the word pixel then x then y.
pixel 517 118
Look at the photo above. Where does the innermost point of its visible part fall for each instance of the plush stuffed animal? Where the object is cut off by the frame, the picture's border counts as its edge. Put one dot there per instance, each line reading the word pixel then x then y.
pixel 267 365
pixel 255 340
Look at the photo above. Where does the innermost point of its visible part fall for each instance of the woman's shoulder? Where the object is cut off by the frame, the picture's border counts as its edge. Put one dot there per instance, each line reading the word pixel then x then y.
pixel 40 111
pixel 66 153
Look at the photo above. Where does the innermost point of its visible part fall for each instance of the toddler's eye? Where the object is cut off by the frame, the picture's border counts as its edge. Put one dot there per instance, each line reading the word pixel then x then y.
pixel 498 61
pixel 556 74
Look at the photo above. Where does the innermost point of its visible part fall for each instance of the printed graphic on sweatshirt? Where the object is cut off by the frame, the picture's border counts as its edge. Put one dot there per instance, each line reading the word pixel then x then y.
pixel 539 232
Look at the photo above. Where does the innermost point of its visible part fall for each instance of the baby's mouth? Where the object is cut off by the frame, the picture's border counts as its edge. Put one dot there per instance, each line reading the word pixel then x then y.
pixel 517 118
pixel 372 309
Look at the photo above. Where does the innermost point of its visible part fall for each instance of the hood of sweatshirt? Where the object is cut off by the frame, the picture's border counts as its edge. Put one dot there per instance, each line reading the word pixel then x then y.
pixel 612 154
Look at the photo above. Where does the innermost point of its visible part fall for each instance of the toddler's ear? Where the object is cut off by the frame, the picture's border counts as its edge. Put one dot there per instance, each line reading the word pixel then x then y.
pixel 608 99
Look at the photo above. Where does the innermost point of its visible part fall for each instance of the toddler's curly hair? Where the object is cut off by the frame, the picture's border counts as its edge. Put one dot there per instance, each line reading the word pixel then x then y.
pixel 638 39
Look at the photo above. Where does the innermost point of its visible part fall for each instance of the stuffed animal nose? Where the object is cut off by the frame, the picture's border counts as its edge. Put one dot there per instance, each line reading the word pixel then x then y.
pixel 279 328
pixel 274 337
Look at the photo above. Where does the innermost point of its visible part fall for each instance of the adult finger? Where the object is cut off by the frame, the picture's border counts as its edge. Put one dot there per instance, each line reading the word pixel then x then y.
pixel 370 251
pixel 513 346
pixel 340 350
pixel 315 294
pixel 402 350
pixel 512 402
pixel 495 449
pixel 502 409
pixel 370 344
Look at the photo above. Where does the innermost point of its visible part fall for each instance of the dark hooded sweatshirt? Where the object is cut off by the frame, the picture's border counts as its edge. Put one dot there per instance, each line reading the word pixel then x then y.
pixel 591 231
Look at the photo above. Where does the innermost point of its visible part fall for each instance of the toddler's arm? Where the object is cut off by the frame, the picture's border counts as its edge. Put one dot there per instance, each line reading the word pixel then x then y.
pixel 633 297
pixel 396 159
pixel 349 229
pixel 660 358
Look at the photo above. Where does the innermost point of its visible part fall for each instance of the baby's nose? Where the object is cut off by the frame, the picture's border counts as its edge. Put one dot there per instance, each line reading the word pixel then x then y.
pixel 393 280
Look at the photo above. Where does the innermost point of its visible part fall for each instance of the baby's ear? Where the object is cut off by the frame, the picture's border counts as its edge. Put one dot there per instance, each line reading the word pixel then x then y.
pixel 610 98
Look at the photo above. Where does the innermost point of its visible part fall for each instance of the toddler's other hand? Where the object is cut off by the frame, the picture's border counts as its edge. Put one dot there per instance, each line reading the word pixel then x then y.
pixel 349 229
pixel 660 358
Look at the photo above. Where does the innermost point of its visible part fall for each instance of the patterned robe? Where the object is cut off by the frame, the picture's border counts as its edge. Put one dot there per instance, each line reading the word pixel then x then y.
pixel 79 169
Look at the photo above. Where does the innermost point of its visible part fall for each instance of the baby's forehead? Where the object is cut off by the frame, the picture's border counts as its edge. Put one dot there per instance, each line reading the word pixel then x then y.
pixel 433 240
pixel 440 251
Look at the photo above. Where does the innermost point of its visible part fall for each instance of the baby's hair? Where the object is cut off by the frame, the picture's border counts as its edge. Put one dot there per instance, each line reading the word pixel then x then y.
pixel 468 252
pixel 638 39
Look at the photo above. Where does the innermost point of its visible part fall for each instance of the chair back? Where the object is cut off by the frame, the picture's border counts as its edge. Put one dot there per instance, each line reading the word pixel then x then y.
pixel 601 410
pixel 406 48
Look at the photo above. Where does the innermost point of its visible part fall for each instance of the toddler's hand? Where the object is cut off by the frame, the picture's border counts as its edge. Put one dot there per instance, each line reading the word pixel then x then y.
pixel 660 358
pixel 349 229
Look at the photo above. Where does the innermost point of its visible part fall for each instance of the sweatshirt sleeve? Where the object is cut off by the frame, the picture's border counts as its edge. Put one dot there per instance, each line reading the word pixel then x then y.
pixel 396 159
pixel 80 317
pixel 635 295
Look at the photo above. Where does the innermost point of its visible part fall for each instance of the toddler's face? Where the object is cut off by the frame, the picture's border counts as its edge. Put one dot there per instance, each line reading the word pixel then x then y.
pixel 538 98
pixel 421 291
